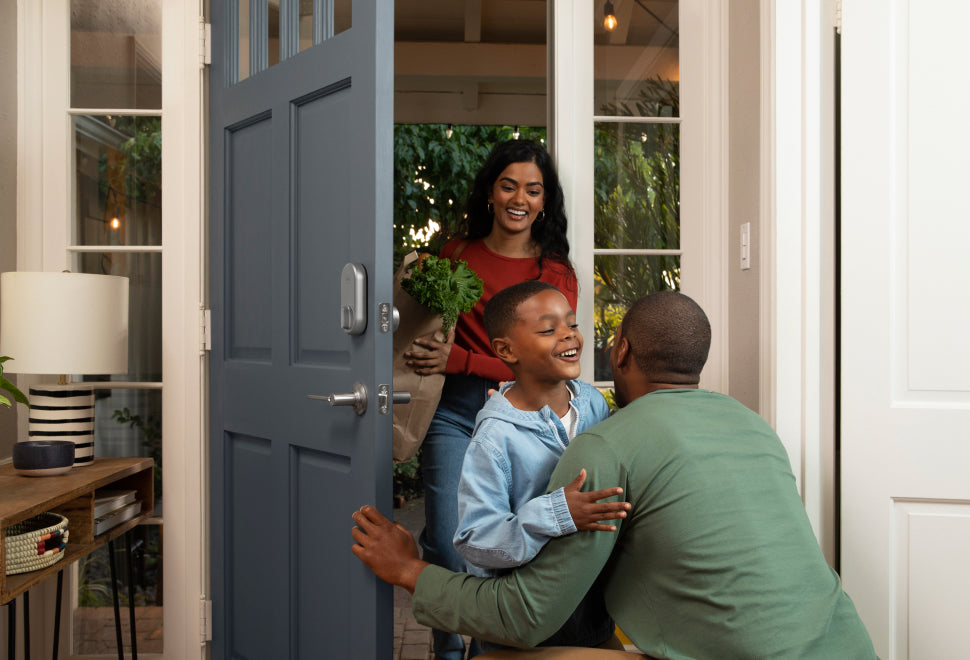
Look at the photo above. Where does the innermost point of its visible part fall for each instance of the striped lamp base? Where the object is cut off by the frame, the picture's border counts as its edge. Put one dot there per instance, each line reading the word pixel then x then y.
pixel 63 412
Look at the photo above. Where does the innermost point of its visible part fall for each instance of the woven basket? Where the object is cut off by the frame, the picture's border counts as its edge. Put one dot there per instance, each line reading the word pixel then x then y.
pixel 35 543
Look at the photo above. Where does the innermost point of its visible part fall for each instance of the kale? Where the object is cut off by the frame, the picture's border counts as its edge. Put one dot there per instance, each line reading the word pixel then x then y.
pixel 444 289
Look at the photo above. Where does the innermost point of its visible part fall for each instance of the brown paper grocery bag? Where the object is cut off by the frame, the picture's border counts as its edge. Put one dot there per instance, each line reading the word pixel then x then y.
pixel 411 420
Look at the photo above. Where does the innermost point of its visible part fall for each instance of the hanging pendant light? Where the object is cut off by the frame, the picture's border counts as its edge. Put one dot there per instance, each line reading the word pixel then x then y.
pixel 609 17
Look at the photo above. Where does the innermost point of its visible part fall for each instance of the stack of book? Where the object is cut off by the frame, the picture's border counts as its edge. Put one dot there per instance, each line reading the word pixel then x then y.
pixel 113 507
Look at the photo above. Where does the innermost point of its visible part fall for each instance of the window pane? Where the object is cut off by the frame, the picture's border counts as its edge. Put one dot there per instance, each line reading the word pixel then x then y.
pixel 116 54
pixel 306 24
pixel 619 280
pixel 637 186
pixel 118 162
pixel 643 49
pixel 129 423
pixel 261 27
pixel 144 271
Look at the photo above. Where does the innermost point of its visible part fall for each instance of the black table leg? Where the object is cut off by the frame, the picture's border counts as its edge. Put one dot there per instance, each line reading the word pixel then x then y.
pixel 114 596
pixel 57 614
pixel 131 599
pixel 12 628
pixel 26 625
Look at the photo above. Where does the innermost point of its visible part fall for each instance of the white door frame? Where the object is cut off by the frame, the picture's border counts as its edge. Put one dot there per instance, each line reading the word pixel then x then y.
pixel 798 243
pixel 44 211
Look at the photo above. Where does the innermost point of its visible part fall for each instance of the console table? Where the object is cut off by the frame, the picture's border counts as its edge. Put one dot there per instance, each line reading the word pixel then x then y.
pixel 72 496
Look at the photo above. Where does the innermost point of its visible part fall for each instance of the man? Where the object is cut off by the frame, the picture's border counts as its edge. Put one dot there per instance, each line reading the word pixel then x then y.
pixel 716 559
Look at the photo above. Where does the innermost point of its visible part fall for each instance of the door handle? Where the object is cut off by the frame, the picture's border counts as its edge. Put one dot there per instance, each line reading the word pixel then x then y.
pixel 356 398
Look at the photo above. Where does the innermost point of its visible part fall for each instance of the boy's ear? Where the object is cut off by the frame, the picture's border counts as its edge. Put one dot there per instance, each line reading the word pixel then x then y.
pixel 502 347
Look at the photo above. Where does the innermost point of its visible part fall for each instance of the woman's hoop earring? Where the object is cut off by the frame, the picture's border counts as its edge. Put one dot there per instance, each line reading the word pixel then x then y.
pixel 491 208
pixel 541 216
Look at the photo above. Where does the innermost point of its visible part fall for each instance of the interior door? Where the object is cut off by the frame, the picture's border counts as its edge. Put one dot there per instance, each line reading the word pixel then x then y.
pixel 905 362
pixel 301 165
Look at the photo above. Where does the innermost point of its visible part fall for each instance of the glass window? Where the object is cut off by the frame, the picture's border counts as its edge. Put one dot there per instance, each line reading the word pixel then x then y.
pixel 642 47
pixel 637 246
pixel 118 180
pixel 262 34
pixel 117 230
pixel 116 54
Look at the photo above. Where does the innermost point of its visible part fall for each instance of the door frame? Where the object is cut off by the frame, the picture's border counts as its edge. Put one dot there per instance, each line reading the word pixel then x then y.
pixel 44 186
pixel 797 220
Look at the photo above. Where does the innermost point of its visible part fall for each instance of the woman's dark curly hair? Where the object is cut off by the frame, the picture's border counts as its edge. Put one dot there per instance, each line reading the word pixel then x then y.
pixel 549 233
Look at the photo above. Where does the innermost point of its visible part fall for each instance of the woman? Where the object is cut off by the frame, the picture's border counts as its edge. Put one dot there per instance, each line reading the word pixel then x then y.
pixel 514 230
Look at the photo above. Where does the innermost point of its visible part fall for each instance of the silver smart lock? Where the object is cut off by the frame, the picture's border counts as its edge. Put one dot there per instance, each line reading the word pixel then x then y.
pixel 353 299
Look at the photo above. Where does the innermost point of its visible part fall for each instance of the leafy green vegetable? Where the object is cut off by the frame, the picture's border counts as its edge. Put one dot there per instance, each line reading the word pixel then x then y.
pixel 443 289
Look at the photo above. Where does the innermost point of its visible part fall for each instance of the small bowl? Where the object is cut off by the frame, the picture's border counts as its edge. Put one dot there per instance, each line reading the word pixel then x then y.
pixel 43 458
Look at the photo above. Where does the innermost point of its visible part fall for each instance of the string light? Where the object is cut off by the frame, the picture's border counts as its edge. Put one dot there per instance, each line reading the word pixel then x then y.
pixel 449 131
pixel 609 18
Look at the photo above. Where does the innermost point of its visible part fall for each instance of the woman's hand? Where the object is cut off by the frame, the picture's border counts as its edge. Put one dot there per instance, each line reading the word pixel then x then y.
pixel 586 510
pixel 433 359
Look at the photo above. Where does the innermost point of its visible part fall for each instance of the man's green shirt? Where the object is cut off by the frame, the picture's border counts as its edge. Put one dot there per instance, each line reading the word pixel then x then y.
pixel 716 559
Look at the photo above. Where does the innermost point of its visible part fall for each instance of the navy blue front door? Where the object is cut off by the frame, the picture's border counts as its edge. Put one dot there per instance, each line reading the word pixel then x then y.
pixel 300 169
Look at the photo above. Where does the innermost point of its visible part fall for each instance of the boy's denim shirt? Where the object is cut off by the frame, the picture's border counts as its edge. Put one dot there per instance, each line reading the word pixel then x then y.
pixel 504 515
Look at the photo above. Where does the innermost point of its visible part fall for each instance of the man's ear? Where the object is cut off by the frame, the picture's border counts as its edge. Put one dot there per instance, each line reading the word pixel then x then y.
pixel 502 347
pixel 623 354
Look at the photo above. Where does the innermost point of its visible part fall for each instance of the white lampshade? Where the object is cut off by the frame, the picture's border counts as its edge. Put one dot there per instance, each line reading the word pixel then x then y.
pixel 64 323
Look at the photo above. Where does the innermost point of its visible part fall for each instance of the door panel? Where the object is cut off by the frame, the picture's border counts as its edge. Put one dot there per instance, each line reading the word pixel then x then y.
pixel 905 386
pixel 300 186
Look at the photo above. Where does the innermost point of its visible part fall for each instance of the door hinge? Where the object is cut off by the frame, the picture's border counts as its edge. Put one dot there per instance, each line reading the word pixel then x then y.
pixel 205 42
pixel 838 16
pixel 205 623
pixel 205 330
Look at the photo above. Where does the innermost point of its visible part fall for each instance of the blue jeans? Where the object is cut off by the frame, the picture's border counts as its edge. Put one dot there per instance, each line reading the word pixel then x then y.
pixel 442 453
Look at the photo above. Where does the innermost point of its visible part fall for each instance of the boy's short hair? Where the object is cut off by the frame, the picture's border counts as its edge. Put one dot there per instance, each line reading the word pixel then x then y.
pixel 500 313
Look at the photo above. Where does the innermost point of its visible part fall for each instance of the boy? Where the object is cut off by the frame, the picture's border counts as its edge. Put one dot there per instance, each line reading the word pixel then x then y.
pixel 504 515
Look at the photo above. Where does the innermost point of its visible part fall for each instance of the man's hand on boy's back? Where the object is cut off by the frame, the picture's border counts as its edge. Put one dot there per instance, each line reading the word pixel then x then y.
pixel 586 509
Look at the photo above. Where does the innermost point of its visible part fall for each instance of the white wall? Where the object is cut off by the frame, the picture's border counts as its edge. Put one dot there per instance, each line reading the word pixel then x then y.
pixel 8 179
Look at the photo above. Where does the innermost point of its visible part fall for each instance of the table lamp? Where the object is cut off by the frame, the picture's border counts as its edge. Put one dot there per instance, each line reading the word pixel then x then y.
pixel 64 323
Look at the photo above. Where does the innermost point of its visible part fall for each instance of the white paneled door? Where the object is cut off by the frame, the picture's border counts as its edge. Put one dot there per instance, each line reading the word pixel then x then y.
pixel 905 314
